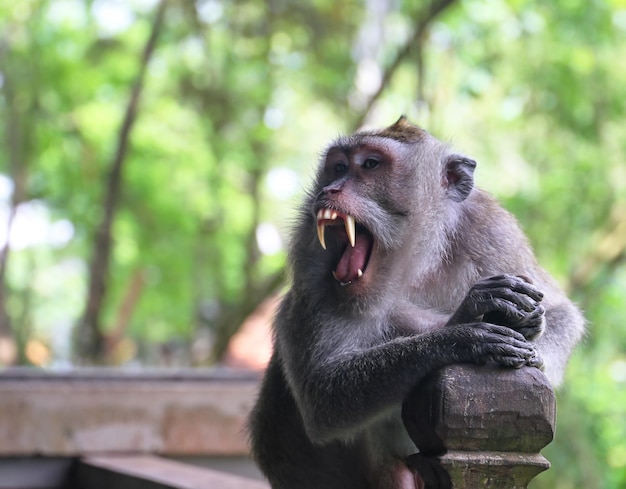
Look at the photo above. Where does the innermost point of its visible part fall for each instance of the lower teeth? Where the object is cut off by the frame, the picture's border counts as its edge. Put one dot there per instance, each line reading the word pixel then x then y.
pixel 343 284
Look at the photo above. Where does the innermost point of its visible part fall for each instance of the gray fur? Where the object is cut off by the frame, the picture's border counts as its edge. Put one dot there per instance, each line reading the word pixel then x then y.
pixel 346 356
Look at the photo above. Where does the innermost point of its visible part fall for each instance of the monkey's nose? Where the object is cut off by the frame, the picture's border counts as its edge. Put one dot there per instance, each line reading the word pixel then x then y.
pixel 335 187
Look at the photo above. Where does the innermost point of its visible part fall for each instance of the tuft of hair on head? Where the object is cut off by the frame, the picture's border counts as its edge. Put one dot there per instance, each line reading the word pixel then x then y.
pixel 402 130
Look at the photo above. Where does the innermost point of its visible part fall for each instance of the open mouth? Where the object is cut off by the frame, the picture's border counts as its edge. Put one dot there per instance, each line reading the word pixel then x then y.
pixel 353 239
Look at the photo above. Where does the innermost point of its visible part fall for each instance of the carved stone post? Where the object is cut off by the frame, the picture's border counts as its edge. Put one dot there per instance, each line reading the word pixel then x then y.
pixel 481 427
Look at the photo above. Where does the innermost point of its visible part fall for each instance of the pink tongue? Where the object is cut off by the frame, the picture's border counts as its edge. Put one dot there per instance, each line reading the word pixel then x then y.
pixel 353 259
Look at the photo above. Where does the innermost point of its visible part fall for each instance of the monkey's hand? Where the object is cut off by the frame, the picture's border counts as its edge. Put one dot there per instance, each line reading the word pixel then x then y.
pixel 482 343
pixel 505 300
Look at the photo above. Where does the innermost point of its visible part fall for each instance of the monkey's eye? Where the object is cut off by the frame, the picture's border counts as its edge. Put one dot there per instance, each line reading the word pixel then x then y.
pixel 370 163
pixel 340 167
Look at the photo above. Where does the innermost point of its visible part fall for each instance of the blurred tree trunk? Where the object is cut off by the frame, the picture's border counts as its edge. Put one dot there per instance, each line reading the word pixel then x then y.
pixel 414 45
pixel 90 345
pixel 123 315
pixel 17 141
pixel 215 100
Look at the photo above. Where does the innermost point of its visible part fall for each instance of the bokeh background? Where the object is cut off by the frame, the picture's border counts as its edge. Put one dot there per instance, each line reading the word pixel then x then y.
pixel 152 154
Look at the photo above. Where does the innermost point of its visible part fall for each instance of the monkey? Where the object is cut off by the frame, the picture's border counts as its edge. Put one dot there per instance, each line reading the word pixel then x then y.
pixel 399 266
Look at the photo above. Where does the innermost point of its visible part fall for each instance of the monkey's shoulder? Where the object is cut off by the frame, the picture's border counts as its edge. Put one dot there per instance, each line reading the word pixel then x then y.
pixel 490 236
pixel 484 210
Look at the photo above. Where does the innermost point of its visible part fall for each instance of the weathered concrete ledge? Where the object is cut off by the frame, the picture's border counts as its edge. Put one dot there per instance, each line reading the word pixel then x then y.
pixel 169 412
pixel 150 472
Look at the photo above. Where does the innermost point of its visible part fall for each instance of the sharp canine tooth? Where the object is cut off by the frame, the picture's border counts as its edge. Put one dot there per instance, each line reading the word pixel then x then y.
pixel 320 234
pixel 359 273
pixel 350 229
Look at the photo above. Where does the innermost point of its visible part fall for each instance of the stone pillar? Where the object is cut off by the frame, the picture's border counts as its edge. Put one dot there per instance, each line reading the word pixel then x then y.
pixel 480 427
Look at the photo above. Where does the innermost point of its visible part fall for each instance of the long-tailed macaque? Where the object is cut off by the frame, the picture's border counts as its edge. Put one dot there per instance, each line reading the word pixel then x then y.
pixel 399 267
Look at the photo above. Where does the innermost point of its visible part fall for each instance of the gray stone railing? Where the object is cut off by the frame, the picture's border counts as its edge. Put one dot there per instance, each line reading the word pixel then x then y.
pixel 476 427
pixel 481 427
pixel 110 428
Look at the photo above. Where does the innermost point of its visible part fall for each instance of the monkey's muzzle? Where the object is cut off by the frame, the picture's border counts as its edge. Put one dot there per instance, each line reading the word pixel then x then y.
pixel 354 240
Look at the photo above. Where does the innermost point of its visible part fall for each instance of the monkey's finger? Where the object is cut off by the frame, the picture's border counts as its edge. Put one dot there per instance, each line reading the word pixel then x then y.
pixel 513 362
pixel 485 284
pixel 535 361
pixel 484 336
pixel 515 283
pixel 510 356
pixel 540 311
pixel 505 334
pixel 495 278
pixel 499 344
pixel 515 353
pixel 501 300
pixel 535 319
pixel 503 308
pixel 537 316
pixel 501 280
pixel 506 313
pixel 515 291
pixel 519 286
pixel 523 301
pixel 522 286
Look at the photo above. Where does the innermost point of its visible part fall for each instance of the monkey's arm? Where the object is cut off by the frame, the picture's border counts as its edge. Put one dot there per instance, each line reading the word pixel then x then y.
pixel 507 300
pixel 340 394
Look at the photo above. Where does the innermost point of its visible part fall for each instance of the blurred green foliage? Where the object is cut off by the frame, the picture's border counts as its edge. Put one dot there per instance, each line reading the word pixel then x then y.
pixel 239 99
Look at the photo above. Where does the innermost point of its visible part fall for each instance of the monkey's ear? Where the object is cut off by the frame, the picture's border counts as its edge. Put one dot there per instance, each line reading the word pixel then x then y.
pixel 458 178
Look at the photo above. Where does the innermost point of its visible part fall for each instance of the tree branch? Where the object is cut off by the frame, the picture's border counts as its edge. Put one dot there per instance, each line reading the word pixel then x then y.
pixel 18 139
pixel 435 9
pixel 90 339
